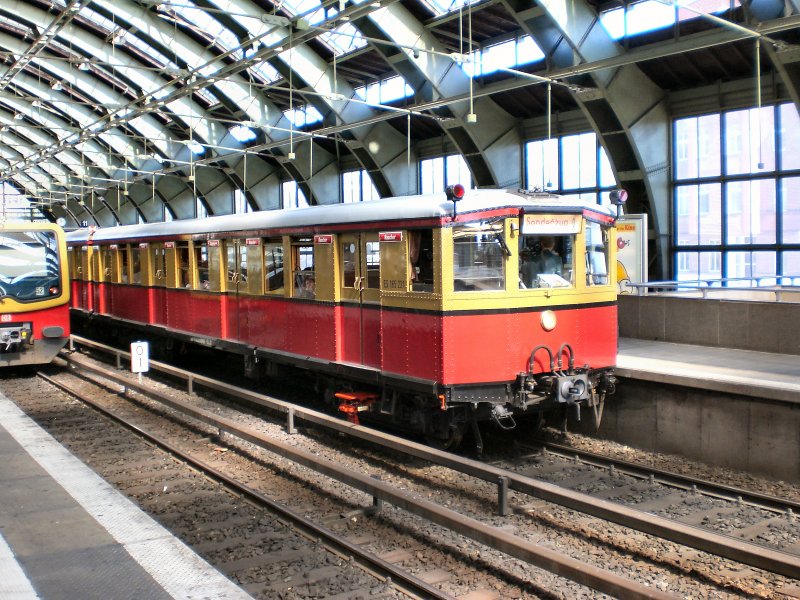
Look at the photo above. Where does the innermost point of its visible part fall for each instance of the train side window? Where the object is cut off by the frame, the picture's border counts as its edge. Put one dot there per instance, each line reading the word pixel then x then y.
pixel 123 264
pixel 136 264
pixel 202 281
pixel 273 266
pixel 479 253
pixel 109 263
pixel 349 264
pixel 303 277
pixel 596 254
pixel 184 279
pixel 545 261
pixel 373 258
pixel 420 259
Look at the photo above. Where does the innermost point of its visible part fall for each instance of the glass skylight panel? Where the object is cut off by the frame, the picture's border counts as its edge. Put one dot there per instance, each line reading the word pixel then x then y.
pixel 342 39
pixel 384 91
pixel 505 55
pixel 242 133
pixel 657 14
pixel 443 7
pixel 305 115
pixel 206 23
pixel 266 71
pixel 195 147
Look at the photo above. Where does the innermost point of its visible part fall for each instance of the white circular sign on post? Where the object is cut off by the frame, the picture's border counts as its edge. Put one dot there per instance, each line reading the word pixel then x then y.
pixel 140 357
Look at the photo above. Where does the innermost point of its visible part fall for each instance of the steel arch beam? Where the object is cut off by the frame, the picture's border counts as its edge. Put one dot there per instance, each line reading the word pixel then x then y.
pixel 626 109
pixel 491 145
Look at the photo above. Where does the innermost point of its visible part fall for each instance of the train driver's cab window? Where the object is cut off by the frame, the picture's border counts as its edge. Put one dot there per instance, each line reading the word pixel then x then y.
pixel 420 258
pixel 545 261
pixel 303 278
pixel 596 254
pixel 273 266
pixel 479 255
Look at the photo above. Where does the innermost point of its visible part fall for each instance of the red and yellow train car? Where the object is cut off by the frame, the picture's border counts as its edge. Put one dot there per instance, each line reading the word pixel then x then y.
pixel 34 293
pixel 429 312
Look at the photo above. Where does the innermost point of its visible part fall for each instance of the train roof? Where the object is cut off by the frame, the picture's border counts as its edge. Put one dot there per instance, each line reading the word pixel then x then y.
pixel 402 208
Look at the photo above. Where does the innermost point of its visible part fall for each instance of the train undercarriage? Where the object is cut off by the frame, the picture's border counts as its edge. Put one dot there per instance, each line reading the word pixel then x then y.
pixel 442 415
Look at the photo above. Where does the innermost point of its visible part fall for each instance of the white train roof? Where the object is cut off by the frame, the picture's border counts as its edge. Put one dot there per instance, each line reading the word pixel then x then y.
pixel 401 208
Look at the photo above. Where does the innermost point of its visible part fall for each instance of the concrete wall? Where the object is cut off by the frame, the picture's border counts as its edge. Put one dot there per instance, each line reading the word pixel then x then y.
pixel 721 429
pixel 762 326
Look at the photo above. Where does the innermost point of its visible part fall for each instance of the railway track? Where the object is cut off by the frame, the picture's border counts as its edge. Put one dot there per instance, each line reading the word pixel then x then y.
pixel 510 480
pixel 180 502
pixel 521 510
pixel 514 502
pixel 267 548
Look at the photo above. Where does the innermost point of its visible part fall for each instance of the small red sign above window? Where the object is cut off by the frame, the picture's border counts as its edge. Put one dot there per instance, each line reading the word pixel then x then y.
pixel 213 243
pixel 112 247
pixel 390 236
pixel 144 245
pixel 323 239
pixel 252 241
pixel 169 244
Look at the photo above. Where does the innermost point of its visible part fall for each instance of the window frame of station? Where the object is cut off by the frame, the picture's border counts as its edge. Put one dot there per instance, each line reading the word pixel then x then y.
pixel 599 190
pixel 722 252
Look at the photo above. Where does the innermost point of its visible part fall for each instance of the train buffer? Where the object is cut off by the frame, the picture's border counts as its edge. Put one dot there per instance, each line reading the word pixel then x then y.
pixel 353 403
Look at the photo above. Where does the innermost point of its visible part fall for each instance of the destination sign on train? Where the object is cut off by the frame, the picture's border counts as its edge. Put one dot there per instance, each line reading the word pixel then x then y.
pixel 554 224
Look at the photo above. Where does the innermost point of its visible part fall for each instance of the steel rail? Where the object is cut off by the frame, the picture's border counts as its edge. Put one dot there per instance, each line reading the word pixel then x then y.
pixel 709 488
pixel 554 562
pixel 720 545
pixel 399 578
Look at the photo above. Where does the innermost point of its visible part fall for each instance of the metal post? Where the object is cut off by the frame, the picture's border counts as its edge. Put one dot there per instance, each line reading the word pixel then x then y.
pixel 377 503
pixel 502 496
pixel 190 385
pixel 290 428
pixel 119 361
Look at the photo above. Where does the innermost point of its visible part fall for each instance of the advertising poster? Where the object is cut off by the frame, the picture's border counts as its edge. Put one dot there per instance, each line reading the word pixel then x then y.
pixel 631 252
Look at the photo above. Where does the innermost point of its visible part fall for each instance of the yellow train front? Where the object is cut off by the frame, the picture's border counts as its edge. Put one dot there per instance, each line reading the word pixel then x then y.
pixel 430 312
pixel 34 293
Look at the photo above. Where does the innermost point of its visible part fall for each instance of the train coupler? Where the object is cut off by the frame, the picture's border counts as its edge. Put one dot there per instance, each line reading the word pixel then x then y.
pixel 353 403
pixel 503 417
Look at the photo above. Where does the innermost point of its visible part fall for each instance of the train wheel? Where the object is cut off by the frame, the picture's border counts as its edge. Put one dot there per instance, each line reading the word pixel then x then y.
pixel 450 440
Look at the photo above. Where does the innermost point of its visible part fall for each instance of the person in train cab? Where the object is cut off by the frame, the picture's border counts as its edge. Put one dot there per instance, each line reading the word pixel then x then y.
pixel 549 258
pixel 538 256
pixel 306 287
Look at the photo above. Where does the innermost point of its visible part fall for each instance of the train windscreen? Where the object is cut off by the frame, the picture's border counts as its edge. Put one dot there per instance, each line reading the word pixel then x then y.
pixel 29 265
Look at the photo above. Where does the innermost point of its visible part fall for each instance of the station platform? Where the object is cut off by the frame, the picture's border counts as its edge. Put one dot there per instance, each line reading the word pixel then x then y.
pixel 762 375
pixel 65 533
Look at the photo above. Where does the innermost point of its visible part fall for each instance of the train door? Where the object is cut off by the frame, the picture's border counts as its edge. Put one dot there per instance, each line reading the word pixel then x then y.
pixel 359 290
pixel 158 297
pixel 236 287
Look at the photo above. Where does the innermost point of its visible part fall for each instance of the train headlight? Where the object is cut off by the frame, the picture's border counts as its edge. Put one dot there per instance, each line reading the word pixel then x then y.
pixel 548 320
pixel 54 291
